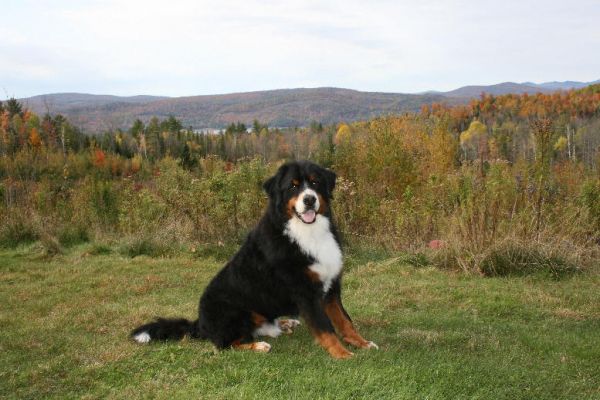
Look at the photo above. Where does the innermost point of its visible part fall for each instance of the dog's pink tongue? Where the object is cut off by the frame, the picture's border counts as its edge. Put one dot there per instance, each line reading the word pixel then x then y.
pixel 309 216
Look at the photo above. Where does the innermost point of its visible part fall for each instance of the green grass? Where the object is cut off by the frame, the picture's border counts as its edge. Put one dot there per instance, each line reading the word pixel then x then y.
pixel 65 320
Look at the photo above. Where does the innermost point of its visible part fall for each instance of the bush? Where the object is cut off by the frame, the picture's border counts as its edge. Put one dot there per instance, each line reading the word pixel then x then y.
pixel 146 246
pixel 73 235
pixel 50 245
pixel 99 249
pixel 220 251
pixel 16 230
pixel 511 257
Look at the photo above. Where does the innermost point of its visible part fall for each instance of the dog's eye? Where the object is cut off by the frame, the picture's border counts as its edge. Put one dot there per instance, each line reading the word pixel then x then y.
pixel 294 185
pixel 314 183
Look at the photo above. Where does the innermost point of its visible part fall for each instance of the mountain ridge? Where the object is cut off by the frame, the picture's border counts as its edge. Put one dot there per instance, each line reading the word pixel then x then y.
pixel 278 107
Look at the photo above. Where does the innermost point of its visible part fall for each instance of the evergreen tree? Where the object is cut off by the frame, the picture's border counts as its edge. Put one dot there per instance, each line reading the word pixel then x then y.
pixel 14 107
pixel 137 129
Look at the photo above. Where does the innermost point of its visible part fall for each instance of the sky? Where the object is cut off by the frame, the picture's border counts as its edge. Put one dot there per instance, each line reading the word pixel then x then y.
pixel 194 47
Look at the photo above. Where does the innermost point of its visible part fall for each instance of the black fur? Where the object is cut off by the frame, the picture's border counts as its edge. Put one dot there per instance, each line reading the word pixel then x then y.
pixel 267 276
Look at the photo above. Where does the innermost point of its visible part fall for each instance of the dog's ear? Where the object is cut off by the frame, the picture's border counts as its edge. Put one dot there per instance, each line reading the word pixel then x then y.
pixel 271 185
pixel 329 179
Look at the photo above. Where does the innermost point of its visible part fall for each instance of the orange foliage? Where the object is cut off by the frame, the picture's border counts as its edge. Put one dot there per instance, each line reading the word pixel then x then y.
pixel 34 138
pixel 99 158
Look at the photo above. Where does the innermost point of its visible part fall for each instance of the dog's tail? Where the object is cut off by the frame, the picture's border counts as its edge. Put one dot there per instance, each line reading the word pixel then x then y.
pixel 166 329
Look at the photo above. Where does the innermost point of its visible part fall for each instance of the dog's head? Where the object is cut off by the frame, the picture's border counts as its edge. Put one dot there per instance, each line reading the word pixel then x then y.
pixel 301 189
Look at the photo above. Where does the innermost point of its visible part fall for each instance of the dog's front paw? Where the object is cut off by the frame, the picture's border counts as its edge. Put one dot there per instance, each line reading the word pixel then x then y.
pixel 359 342
pixel 340 353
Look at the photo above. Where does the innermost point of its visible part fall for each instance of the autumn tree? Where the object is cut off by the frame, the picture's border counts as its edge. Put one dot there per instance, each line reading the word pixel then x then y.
pixel 473 141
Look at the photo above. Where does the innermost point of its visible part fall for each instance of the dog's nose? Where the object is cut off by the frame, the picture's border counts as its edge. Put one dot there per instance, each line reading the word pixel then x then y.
pixel 309 200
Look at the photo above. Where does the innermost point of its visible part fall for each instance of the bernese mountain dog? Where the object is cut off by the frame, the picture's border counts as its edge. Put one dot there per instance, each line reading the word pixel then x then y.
pixel 289 265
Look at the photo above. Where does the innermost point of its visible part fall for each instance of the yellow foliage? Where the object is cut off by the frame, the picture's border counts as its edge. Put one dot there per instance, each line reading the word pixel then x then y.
pixel 473 134
pixel 343 134
pixel 561 144
pixel 441 148
pixel 136 163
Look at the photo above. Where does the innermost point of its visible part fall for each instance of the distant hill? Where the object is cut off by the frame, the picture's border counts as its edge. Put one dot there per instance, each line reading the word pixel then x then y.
pixel 515 88
pixel 57 102
pixel 496 90
pixel 566 85
pixel 283 107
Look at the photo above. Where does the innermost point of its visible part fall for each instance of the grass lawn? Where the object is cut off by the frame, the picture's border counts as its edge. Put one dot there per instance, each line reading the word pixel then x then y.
pixel 65 321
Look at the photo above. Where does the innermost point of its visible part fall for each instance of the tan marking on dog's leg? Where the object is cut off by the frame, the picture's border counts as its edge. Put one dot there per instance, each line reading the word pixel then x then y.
pixel 261 347
pixel 345 327
pixel 332 344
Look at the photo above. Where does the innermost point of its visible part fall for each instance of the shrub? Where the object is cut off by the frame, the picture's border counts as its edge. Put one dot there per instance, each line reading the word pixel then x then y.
pixel 510 257
pixel 145 246
pixel 72 235
pixel 50 245
pixel 513 258
pixel 16 230
pixel 99 249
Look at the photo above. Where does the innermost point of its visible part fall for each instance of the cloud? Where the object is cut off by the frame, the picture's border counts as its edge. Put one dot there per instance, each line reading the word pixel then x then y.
pixel 203 47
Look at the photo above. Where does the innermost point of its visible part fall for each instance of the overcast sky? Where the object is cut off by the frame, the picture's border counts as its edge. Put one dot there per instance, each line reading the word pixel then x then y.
pixel 179 48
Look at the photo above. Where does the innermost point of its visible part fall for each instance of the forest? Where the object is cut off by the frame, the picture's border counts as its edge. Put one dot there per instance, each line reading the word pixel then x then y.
pixel 502 185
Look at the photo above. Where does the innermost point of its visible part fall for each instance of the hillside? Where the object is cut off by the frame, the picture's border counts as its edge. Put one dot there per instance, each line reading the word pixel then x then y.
pixel 566 85
pixel 496 90
pixel 59 102
pixel 283 107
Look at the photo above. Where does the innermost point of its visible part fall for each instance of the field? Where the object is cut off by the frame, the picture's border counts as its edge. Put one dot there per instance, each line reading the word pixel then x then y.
pixel 65 321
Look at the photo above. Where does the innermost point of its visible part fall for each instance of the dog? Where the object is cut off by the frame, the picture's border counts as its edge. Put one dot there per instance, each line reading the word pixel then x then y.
pixel 289 265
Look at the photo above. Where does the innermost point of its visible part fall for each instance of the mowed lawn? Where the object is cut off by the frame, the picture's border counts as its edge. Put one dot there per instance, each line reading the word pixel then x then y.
pixel 65 323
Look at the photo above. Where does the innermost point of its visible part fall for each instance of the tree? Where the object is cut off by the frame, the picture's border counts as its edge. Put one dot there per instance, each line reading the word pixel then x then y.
pixel 171 124
pixel 34 139
pixel 316 127
pixel 137 128
pixel 14 107
pixel 561 145
pixel 343 134
pixel 188 161
pixel 257 126
pixel 473 141
pixel 542 132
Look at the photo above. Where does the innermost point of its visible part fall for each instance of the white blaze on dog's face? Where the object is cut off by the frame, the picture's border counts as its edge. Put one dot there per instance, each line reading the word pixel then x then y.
pixel 307 205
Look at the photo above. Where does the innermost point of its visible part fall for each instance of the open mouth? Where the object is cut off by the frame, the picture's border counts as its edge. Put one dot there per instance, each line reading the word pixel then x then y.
pixel 308 216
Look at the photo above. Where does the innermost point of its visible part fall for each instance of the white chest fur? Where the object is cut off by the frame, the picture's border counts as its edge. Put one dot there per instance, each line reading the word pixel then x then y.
pixel 317 241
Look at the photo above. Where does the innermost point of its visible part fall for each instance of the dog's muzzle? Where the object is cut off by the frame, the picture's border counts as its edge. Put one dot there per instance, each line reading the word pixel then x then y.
pixel 306 207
